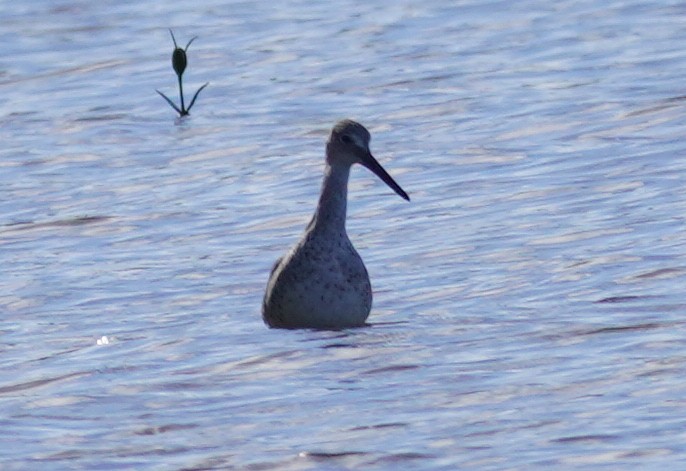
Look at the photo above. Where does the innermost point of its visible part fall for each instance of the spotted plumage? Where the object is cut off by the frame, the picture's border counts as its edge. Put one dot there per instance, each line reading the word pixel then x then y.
pixel 321 282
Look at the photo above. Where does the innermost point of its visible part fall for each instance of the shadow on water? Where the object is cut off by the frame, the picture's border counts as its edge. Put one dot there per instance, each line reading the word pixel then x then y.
pixel 20 226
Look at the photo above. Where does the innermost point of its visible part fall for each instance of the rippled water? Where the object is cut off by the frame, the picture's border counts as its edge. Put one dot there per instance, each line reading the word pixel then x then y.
pixel 529 302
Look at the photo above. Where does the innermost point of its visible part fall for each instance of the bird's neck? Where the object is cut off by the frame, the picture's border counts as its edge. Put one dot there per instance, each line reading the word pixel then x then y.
pixel 331 209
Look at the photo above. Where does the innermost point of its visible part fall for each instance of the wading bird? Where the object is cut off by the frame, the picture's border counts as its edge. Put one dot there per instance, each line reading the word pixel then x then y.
pixel 322 283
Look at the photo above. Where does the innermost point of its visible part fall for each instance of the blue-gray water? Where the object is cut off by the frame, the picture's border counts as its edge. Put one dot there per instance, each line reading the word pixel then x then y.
pixel 529 304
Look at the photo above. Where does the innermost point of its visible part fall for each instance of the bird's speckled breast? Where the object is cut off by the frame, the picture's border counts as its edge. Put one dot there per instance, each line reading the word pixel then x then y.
pixel 320 283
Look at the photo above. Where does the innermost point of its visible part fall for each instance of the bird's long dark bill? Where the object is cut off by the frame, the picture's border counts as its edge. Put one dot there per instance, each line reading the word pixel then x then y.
pixel 372 164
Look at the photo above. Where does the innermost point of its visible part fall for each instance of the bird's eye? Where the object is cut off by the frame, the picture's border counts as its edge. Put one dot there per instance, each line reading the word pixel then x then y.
pixel 346 139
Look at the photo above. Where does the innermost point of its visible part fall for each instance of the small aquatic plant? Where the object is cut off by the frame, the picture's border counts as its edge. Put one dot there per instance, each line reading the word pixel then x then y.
pixel 179 63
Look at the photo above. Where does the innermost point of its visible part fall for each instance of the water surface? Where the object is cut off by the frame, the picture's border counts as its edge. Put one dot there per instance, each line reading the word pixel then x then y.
pixel 529 303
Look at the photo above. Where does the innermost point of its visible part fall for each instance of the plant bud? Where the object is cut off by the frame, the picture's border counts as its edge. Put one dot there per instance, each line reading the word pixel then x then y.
pixel 179 61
